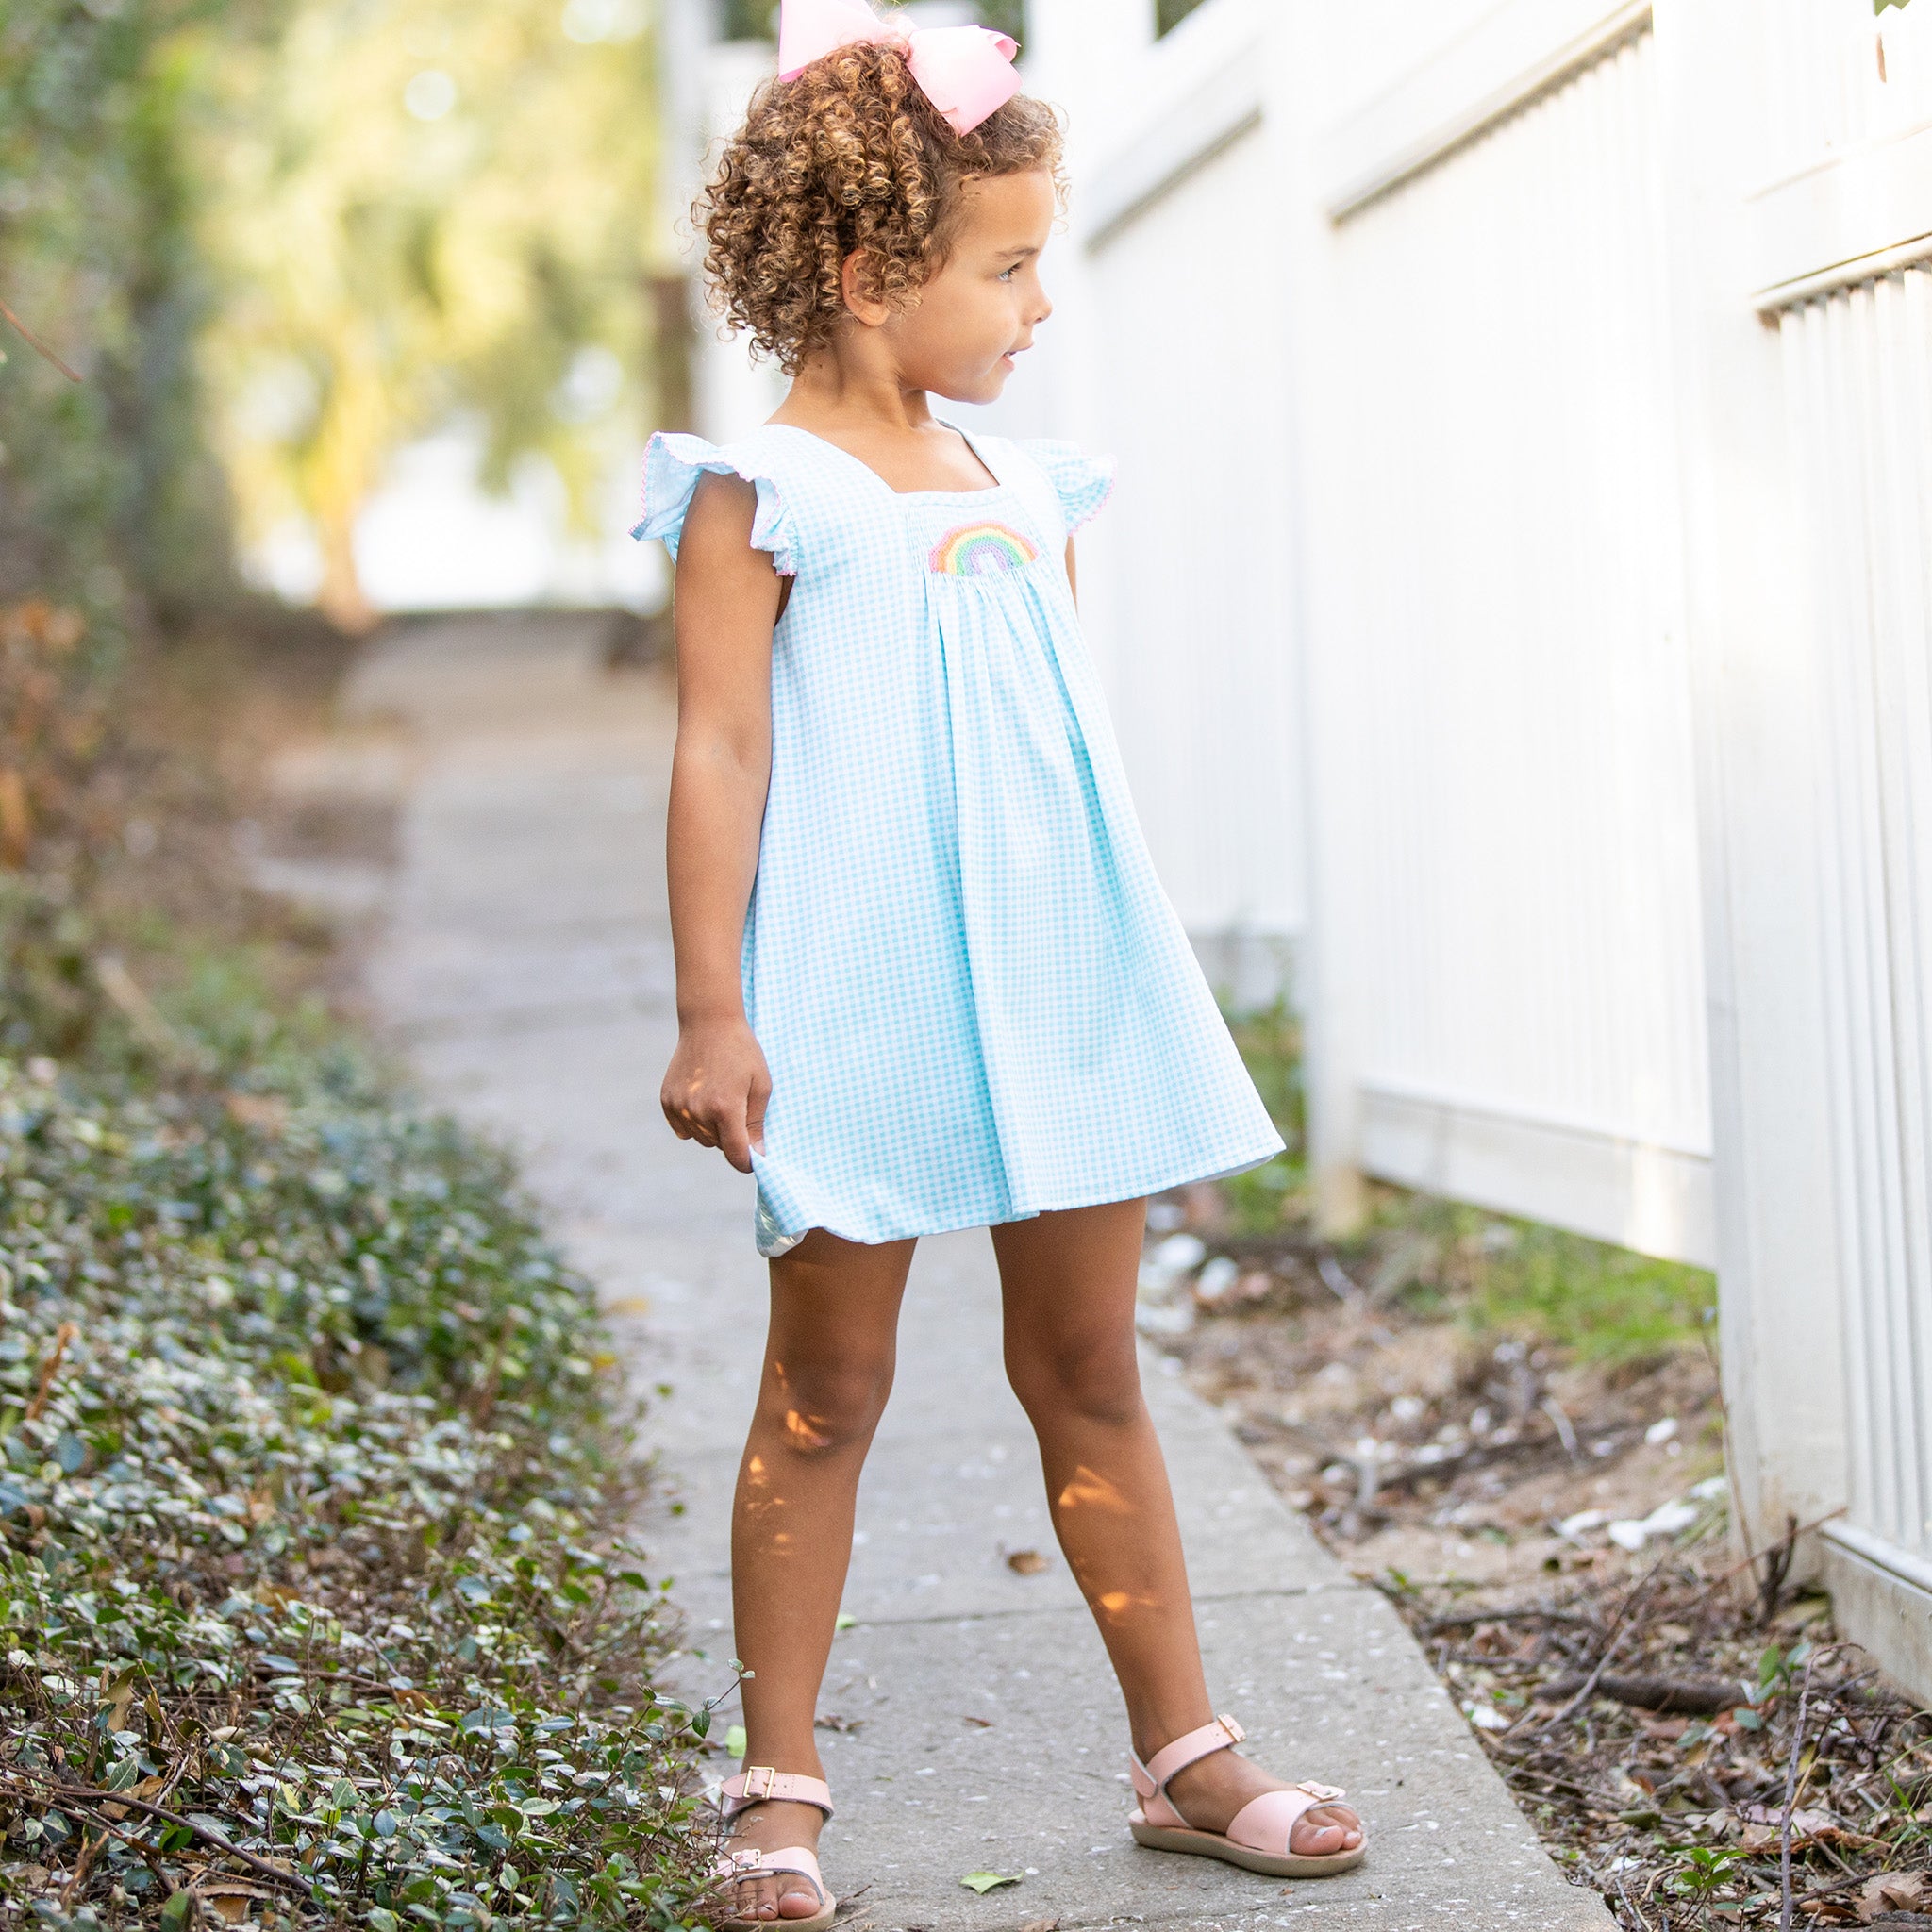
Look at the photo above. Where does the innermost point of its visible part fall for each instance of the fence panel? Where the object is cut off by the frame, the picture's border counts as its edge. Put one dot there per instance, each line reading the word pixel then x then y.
pixel 1196 644
pixel 1839 77
pixel 1523 942
pixel 1859 368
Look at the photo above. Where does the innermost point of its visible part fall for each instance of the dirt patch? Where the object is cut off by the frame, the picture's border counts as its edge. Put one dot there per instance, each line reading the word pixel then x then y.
pixel 1552 1521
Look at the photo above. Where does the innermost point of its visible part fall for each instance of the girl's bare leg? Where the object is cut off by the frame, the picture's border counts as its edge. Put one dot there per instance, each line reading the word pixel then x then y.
pixel 828 1370
pixel 1067 1281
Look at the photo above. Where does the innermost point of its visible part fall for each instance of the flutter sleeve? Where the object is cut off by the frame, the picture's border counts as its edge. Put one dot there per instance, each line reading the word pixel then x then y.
pixel 1081 482
pixel 672 465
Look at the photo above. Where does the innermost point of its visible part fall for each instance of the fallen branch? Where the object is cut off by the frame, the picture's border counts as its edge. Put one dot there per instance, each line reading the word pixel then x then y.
pixel 1473 1620
pixel 1684 1696
pixel 58 1794
pixel 34 341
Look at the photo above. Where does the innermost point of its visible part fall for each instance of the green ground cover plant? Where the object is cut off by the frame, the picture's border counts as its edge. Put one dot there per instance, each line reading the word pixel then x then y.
pixel 315 1609
pixel 1506 1276
pixel 1503 1275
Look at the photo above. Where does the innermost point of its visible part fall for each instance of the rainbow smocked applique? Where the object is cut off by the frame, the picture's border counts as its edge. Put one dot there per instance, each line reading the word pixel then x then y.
pixel 981 550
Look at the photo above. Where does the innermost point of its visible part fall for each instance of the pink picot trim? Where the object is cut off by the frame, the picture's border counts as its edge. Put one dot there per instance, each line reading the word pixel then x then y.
pixel 1087 516
pixel 782 562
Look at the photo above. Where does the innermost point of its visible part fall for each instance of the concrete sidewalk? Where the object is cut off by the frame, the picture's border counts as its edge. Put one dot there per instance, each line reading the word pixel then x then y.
pixel 524 962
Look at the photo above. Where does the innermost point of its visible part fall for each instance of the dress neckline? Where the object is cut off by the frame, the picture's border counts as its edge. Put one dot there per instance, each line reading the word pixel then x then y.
pixel 992 488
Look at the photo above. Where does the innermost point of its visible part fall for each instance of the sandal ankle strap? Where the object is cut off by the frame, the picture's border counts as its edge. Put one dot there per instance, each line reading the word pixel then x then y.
pixel 757 1783
pixel 1171 1759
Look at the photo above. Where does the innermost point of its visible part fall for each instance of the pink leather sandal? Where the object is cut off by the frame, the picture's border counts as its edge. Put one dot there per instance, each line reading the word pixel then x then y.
pixel 1256 1838
pixel 754 1784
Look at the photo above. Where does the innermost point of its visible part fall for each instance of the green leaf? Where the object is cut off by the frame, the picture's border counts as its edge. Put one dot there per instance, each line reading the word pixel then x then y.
pixel 843 1620
pixel 1879 6
pixel 175 1913
pixel 984 1882
pixel 734 1741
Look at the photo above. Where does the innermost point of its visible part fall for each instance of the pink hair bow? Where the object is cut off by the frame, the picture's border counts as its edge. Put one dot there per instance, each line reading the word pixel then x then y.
pixel 965 72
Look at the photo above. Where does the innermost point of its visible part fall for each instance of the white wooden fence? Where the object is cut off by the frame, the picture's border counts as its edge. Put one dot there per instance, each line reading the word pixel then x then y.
pixel 1518 611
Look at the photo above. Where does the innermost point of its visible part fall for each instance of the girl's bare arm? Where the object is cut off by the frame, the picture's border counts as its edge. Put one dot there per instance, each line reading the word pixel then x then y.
pixel 728 600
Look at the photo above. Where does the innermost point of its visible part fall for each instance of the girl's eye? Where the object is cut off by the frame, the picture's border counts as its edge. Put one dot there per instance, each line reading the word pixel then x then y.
pixel 1007 274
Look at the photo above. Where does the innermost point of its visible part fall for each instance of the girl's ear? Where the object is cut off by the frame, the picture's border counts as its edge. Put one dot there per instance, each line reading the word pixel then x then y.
pixel 858 281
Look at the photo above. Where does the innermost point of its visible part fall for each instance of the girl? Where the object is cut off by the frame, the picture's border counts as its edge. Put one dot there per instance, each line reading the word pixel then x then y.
pixel 926 977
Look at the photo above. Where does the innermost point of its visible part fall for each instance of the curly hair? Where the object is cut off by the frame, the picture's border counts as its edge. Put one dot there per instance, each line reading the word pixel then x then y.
pixel 848 158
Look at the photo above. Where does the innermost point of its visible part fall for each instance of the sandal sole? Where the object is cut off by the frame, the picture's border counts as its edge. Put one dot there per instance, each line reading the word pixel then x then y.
pixel 817 1923
pixel 1211 1844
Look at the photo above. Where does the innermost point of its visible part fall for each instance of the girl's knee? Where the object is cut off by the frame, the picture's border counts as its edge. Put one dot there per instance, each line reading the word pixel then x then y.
pixel 1085 1377
pixel 822 1405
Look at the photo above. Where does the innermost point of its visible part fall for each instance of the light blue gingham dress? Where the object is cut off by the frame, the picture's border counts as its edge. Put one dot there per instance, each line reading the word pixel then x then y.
pixel 974 999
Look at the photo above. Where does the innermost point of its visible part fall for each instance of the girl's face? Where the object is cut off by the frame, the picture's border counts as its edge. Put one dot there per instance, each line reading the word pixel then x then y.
pixel 980 309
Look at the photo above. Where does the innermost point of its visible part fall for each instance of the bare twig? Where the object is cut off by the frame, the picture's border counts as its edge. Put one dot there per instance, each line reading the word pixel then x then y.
pixel 34 341
pixel 1566 1429
pixel 90 1849
pixel 1787 1916
pixel 150 1028
pixel 1756 1556
pixel 1777 1566
pixel 1624 1893
pixel 143 1850
pixel 1621 1626
pixel 58 1793
pixel 1338 1282
pixel 51 1368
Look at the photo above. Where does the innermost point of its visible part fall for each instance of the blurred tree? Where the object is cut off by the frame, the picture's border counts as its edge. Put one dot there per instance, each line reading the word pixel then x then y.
pixel 426 211
pixel 106 486
pixel 752 20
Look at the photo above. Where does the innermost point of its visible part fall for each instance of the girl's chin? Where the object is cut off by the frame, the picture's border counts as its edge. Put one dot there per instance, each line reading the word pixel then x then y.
pixel 987 388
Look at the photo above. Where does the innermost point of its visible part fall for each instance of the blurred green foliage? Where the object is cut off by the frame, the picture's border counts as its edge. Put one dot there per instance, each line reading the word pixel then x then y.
pixel 277 238
pixel 1522 1279
pixel 106 486
pixel 751 20
pixel 1503 1275
pixel 420 213
pixel 1267 1197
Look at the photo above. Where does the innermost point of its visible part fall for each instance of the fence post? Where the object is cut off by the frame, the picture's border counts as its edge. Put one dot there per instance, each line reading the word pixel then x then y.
pixel 1754 708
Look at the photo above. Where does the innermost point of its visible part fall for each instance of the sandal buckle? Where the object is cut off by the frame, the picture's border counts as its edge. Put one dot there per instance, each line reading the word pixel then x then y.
pixel 1232 1727
pixel 769 1773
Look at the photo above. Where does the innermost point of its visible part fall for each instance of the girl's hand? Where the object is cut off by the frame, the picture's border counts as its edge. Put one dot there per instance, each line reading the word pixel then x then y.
pixel 715 1089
